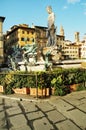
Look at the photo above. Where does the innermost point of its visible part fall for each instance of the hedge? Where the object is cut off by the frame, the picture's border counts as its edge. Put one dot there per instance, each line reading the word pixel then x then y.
pixel 60 79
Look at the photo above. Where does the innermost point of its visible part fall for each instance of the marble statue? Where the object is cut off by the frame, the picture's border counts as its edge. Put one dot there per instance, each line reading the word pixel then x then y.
pixel 51 31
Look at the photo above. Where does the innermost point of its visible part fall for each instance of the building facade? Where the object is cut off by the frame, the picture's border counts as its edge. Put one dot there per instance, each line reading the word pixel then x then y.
pixel 23 34
pixel 1 40
pixel 83 48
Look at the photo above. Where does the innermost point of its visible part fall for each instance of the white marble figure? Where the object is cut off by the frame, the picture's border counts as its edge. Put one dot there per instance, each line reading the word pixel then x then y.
pixel 51 32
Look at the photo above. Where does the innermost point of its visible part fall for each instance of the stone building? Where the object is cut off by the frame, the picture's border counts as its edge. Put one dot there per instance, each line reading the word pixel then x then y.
pixel 1 40
pixel 20 34
pixel 23 34
pixel 72 50
pixel 83 48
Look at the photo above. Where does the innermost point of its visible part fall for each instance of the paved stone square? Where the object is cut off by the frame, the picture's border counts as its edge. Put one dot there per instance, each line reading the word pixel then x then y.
pixel 55 113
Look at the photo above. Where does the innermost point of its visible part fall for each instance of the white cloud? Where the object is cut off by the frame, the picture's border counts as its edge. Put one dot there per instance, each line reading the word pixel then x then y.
pixel 73 1
pixel 84 13
pixel 65 7
pixel 84 7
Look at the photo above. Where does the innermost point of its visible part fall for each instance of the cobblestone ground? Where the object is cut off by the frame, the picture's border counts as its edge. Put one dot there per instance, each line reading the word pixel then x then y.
pixel 64 113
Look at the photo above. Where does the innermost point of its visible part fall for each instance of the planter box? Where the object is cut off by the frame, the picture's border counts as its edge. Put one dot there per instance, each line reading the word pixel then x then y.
pixel 21 90
pixel 41 92
pixel 73 87
pixel 52 91
pixel 1 88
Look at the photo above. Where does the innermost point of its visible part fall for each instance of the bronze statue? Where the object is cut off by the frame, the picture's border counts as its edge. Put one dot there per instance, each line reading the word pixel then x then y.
pixel 29 51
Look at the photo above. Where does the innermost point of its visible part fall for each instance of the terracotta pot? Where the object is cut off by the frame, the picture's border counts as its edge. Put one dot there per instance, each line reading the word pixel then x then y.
pixel 22 90
pixel 52 91
pixel 73 87
pixel 41 92
pixel 1 88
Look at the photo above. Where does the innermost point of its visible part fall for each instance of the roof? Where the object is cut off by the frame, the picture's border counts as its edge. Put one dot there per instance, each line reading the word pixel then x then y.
pixel 16 27
pixel 60 36
pixel 2 18
pixel 41 27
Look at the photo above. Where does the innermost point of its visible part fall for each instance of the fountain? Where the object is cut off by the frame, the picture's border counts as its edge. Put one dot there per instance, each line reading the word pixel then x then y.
pixel 25 58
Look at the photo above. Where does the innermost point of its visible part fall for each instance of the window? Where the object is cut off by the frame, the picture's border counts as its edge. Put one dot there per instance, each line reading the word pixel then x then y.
pixel 22 32
pixel 27 32
pixel 32 39
pixel 28 39
pixel 32 32
pixel 22 39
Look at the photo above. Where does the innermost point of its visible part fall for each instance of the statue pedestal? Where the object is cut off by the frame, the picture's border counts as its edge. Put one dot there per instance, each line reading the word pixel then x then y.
pixel 53 53
pixel 39 66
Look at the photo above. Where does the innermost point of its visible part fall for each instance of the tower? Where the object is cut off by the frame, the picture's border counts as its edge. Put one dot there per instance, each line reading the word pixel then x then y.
pixel 1 40
pixel 84 38
pixel 61 31
pixel 76 36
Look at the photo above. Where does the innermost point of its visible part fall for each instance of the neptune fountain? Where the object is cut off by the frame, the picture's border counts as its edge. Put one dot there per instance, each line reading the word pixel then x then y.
pixel 26 58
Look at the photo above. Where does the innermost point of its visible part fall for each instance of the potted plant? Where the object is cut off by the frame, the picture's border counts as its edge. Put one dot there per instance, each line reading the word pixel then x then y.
pixel 77 78
pixel 60 88
pixel 21 85
pixel 40 88
pixel 2 76
pixel 7 81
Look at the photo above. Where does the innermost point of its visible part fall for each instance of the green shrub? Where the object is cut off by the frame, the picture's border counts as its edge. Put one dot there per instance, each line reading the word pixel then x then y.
pixel 81 87
pixel 60 79
pixel 2 78
pixel 60 88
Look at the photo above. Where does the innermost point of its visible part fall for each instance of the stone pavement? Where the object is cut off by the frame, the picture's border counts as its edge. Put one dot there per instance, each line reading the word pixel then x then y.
pixel 21 112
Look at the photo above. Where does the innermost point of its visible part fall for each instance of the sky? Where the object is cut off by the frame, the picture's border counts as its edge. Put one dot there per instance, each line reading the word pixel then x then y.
pixel 71 14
